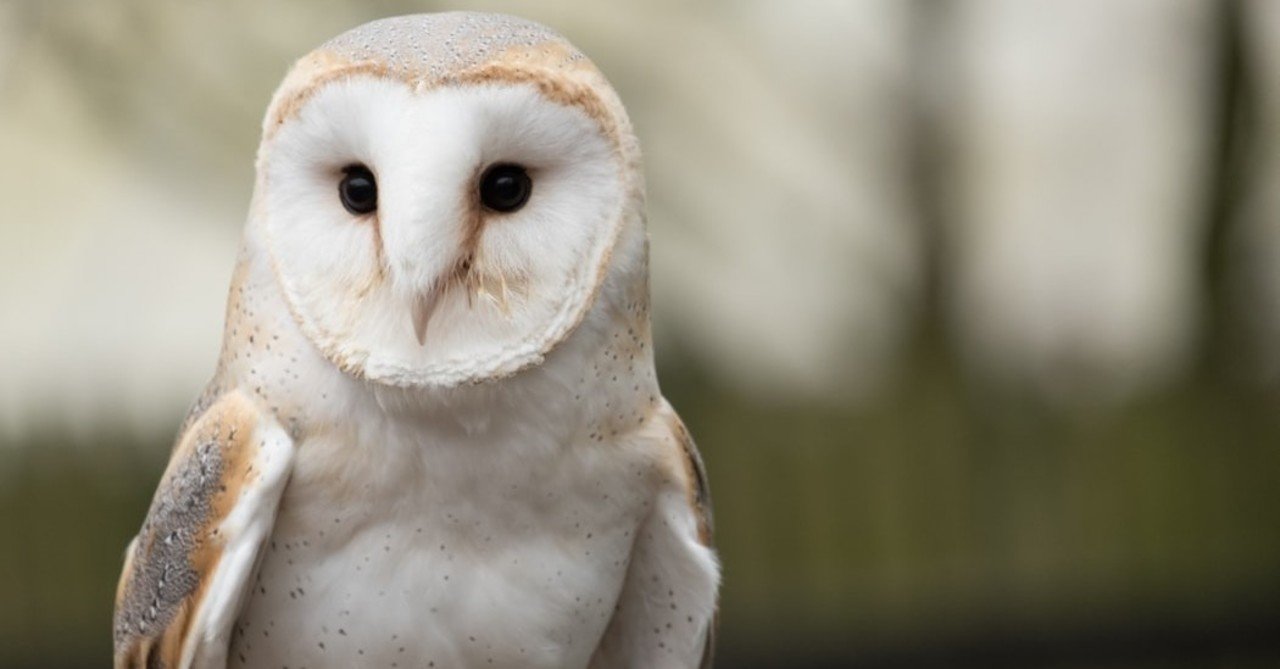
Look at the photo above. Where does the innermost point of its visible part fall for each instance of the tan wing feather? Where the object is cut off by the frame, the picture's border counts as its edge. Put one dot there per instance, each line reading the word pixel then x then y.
pixel 212 511
pixel 696 474
pixel 671 560
pixel 699 493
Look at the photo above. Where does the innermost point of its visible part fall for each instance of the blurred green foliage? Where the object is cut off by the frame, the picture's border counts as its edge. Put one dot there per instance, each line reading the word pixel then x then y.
pixel 927 529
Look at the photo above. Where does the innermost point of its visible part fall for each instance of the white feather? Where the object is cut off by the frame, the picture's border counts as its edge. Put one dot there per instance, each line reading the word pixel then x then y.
pixel 244 531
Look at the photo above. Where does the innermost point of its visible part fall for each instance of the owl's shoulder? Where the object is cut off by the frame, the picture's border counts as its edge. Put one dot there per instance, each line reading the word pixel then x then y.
pixel 674 449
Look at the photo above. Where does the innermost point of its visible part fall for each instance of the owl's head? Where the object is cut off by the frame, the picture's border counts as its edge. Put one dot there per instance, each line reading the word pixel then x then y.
pixel 440 195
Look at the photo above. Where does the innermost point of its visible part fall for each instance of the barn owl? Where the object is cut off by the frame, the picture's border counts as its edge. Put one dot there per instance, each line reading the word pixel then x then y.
pixel 434 437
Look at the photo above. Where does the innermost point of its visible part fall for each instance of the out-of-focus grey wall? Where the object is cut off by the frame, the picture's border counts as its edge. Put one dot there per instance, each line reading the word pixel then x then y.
pixel 973 306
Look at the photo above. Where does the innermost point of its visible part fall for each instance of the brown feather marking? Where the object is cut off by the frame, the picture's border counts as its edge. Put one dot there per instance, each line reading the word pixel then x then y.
pixel 179 546
pixel 576 85
pixel 128 568
pixel 318 68
pixel 698 491
pixel 572 89
pixel 169 645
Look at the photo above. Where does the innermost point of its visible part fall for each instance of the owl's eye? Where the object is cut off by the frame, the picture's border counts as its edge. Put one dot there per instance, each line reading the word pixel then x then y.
pixel 358 190
pixel 505 187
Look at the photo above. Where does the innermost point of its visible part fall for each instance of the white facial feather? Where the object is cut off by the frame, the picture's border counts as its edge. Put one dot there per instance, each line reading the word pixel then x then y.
pixel 353 280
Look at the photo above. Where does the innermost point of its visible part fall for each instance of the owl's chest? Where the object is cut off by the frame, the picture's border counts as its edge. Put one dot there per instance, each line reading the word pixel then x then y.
pixel 453 554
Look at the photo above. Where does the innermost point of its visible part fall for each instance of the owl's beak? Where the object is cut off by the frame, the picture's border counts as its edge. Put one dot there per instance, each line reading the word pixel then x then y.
pixel 423 307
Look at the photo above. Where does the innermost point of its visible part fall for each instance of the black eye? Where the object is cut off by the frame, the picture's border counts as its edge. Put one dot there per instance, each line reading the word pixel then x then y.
pixel 358 190
pixel 505 187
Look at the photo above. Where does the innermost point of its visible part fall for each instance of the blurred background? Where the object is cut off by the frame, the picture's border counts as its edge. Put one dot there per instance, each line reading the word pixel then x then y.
pixel 973 306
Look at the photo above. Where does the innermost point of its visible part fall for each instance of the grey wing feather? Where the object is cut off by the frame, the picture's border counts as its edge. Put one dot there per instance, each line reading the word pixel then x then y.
pixel 228 459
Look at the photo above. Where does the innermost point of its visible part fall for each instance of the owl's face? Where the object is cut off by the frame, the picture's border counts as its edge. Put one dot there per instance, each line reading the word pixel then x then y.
pixel 434 229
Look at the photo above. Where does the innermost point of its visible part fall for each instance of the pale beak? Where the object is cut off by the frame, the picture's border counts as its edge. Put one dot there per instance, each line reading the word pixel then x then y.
pixel 423 307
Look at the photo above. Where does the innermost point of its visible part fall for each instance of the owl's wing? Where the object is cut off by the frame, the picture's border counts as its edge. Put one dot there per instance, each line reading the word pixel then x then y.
pixel 188 570
pixel 666 613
